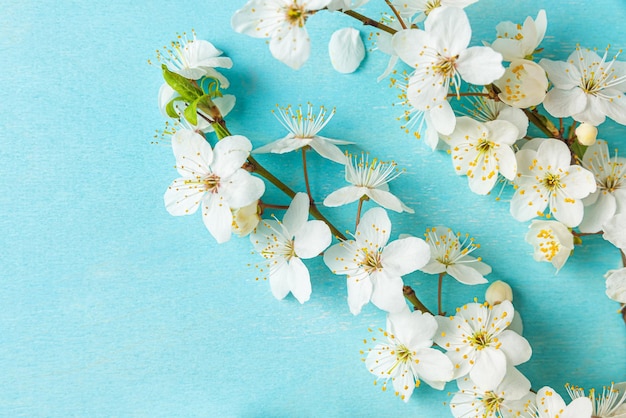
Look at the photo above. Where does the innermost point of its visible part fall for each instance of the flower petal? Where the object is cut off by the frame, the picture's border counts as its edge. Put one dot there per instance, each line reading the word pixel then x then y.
pixel 230 154
pixel 279 278
pixel 341 259
pixel 217 216
pixel 297 214
pixel 515 347
pixel 291 46
pixel 599 213
pixel 299 280
pixel 241 189
pixel 311 239
pixel 327 150
pixel 404 256
pixel 343 196
pixel 489 368
pixel 359 292
pixel 387 292
pixel 449 30
pixel 346 50
pixel 565 103
pixel 563 75
pixel 434 367
pixel 183 197
pixel 193 153
pixel 480 65
pixel 466 274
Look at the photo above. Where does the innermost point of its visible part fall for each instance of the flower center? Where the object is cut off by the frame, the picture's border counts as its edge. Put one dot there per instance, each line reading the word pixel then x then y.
pixel 484 146
pixel 551 182
pixel 212 183
pixel 446 66
pixel 431 5
pixel 480 340
pixel 371 260
pixel 296 14
pixel 492 402
pixel 403 354
pixel 290 251
pixel 548 245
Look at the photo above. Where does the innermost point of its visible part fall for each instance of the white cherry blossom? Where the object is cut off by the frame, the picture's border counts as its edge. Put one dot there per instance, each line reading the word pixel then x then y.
pixel 284 244
pixel 374 269
pixel 407 356
pixel 449 255
pixel 369 179
pixel 195 58
pixel 484 109
pixel 213 179
pixel 478 342
pixel 303 131
pixel 515 41
pixel 553 242
pixel 506 400
pixel 587 87
pixel 546 178
pixel 283 21
pixel 549 404
pixel 441 58
pixel 524 84
pixel 610 195
pixel 611 403
pixel 481 151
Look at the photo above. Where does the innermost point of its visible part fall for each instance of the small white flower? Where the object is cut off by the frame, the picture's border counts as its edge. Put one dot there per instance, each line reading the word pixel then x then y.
pixel 524 84
pixel 303 129
pixel 448 254
pixel 368 179
pixel 285 243
pixel 553 242
pixel 481 151
pixel 546 178
pixel 478 342
pixel 345 5
pixel 520 41
pixel 407 357
pixel 417 10
pixel 283 21
pixel 374 268
pixel 610 195
pixel 586 87
pixel 506 400
pixel 212 178
pixel 441 58
pixel 611 403
pixel 195 58
pixel 346 50
pixel 616 284
pixel 549 404
pixel 245 219
pixel 615 231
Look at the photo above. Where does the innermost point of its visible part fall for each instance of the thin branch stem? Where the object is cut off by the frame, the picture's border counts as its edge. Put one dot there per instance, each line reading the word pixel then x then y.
pixel 469 94
pixel 306 174
pixel 395 12
pixel 409 294
pixel 369 22
pixel 272 206
pixel 358 210
pixel 439 291
pixel 532 117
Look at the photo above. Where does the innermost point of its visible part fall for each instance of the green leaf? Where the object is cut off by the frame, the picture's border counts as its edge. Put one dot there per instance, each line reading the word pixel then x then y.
pixel 191 113
pixel 578 149
pixel 187 89
pixel 170 110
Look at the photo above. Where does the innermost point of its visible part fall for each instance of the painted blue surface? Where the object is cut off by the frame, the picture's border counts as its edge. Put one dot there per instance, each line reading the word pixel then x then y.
pixel 111 307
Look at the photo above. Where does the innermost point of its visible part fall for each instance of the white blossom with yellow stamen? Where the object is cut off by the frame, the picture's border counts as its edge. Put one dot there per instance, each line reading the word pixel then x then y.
pixel 515 41
pixel 374 269
pixel 407 357
pixel 611 403
pixel 441 58
pixel 303 130
pixel 546 178
pixel 553 242
pixel 368 179
pixel 481 151
pixel 587 87
pixel 524 84
pixel 478 342
pixel 549 404
pixel 283 21
pixel 448 254
pixel 213 179
pixel 285 243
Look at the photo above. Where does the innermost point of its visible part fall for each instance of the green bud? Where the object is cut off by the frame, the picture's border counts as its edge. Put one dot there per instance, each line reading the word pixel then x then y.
pixel 187 89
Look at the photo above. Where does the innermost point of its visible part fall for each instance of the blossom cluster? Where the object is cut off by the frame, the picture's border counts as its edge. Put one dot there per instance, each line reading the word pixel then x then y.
pixel 477 103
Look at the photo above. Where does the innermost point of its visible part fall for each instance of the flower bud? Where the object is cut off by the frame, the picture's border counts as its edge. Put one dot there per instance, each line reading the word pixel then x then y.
pixel 498 292
pixel 586 134
pixel 245 219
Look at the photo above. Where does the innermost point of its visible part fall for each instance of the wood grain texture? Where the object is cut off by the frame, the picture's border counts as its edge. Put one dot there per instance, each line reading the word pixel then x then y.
pixel 111 307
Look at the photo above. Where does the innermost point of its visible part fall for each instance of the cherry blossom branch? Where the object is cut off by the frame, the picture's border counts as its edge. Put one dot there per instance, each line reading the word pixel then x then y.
pixel 272 206
pixel 306 175
pixel 358 210
pixel 470 94
pixel 369 22
pixel 535 120
pixel 409 294
pixel 395 12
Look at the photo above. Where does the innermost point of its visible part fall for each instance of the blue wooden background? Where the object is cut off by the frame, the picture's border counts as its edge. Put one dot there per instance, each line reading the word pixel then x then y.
pixel 111 307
